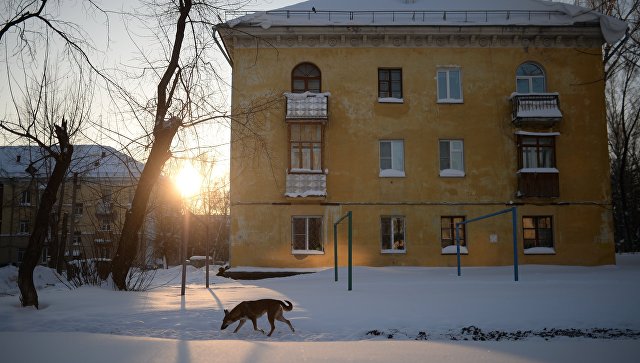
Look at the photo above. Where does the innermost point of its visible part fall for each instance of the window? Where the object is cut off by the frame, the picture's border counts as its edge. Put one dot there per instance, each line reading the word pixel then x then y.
pixel 448 235
pixel 449 85
pixel 23 226
pixel 392 230
pixel 536 152
pixel 78 209
pixel 77 238
pixel 389 83
pixel 107 197
pixel 451 158
pixel 305 147
pixel 305 77
pixel 25 197
pixel 537 234
pixel 391 158
pixel 530 79
pixel 306 234
pixel 106 225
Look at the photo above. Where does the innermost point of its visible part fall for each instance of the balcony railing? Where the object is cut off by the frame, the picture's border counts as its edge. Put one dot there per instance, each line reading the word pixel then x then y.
pixel 307 106
pixel 414 16
pixel 306 185
pixel 541 109
pixel 543 183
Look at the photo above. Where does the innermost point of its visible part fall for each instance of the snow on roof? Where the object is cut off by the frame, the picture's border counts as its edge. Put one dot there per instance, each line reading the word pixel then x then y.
pixel 92 161
pixel 433 12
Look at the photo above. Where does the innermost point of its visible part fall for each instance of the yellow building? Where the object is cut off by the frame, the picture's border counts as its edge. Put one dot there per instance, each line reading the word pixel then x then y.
pixel 417 115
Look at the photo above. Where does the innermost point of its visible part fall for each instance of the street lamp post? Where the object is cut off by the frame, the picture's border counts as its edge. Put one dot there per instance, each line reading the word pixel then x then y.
pixel 188 182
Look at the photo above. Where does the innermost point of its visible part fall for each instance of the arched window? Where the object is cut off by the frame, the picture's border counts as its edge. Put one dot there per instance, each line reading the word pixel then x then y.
pixel 305 77
pixel 530 79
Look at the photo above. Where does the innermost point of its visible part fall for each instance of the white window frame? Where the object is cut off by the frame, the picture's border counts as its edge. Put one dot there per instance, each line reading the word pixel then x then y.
pixel 307 251
pixel 25 198
pixel 392 243
pixel 397 161
pixel 452 249
pixel 447 84
pixel 529 79
pixel 78 209
pixel 24 226
pixel 451 172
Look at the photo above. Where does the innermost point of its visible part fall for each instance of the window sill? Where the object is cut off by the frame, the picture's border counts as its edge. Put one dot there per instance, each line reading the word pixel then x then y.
pixel 390 173
pixel 453 250
pixel 452 173
pixel 540 251
pixel 538 170
pixel 391 252
pixel 307 171
pixel 454 101
pixel 390 100
pixel 305 252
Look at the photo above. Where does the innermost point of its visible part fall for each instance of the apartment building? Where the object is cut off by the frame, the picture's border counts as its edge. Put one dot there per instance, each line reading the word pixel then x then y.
pixel 416 116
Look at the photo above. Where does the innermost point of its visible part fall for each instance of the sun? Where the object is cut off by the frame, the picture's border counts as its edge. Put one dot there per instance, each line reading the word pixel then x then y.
pixel 188 180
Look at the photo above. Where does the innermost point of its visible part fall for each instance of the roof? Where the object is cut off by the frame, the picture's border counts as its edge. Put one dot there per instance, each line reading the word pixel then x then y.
pixel 90 161
pixel 433 13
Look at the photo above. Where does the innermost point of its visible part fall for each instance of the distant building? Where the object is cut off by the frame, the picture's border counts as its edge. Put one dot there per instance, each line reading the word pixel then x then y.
pixel 417 115
pixel 96 194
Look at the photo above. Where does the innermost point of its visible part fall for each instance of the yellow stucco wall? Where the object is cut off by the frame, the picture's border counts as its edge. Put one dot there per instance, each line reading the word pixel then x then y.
pixel 260 230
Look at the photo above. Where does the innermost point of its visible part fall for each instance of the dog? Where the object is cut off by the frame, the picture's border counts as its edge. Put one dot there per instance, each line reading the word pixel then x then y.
pixel 253 310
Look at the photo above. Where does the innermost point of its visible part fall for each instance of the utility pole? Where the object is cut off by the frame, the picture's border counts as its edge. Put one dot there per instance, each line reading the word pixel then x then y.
pixel 72 224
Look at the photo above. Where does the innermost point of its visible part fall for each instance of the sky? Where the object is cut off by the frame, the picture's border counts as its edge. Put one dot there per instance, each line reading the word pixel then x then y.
pixel 112 47
pixel 400 314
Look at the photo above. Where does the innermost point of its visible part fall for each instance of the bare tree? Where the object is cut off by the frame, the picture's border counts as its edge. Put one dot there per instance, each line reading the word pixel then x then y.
pixel 49 119
pixel 186 92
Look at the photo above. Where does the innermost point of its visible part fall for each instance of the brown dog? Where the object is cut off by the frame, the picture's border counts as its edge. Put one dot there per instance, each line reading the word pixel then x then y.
pixel 254 309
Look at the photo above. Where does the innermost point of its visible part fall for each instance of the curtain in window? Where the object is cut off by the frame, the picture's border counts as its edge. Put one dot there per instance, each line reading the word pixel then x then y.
pixel 398 156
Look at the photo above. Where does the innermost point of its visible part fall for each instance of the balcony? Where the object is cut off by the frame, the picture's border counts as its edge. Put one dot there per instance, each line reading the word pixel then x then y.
pixel 307 106
pixel 540 182
pixel 306 185
pixel 535 109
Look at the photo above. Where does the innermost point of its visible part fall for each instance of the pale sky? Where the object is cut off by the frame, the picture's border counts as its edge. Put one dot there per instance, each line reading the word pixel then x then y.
pixel 113 48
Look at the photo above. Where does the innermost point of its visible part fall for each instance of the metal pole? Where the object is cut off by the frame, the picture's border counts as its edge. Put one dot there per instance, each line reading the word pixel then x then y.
pixel 335 249
pixel 458 245
pixel 207 249
pixel 185 237
pixel 514 221
pixel 350 251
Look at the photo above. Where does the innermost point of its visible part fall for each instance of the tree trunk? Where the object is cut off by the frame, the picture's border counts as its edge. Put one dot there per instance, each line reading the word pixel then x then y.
pixel 163 133
pixel 60 260
pixel 28 294
pixel 128 245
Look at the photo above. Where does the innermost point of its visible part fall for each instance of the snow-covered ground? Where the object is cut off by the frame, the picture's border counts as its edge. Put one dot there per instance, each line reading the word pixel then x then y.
pixel 552 314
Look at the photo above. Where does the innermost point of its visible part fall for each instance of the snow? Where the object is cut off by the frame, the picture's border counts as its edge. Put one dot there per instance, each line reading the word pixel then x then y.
pixel 433 12
pixel 89 161
pixel 307 193
pixel 529 133
pixel 97 324
pixel 453 250
pixel 451 173
pixel 538 170
pixel 539 251
pixel 390 100
pixel 391 173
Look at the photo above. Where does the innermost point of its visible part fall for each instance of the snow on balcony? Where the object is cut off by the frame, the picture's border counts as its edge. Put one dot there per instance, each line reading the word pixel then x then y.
pixel 307 106
pixel 535 108
pixel 306 185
